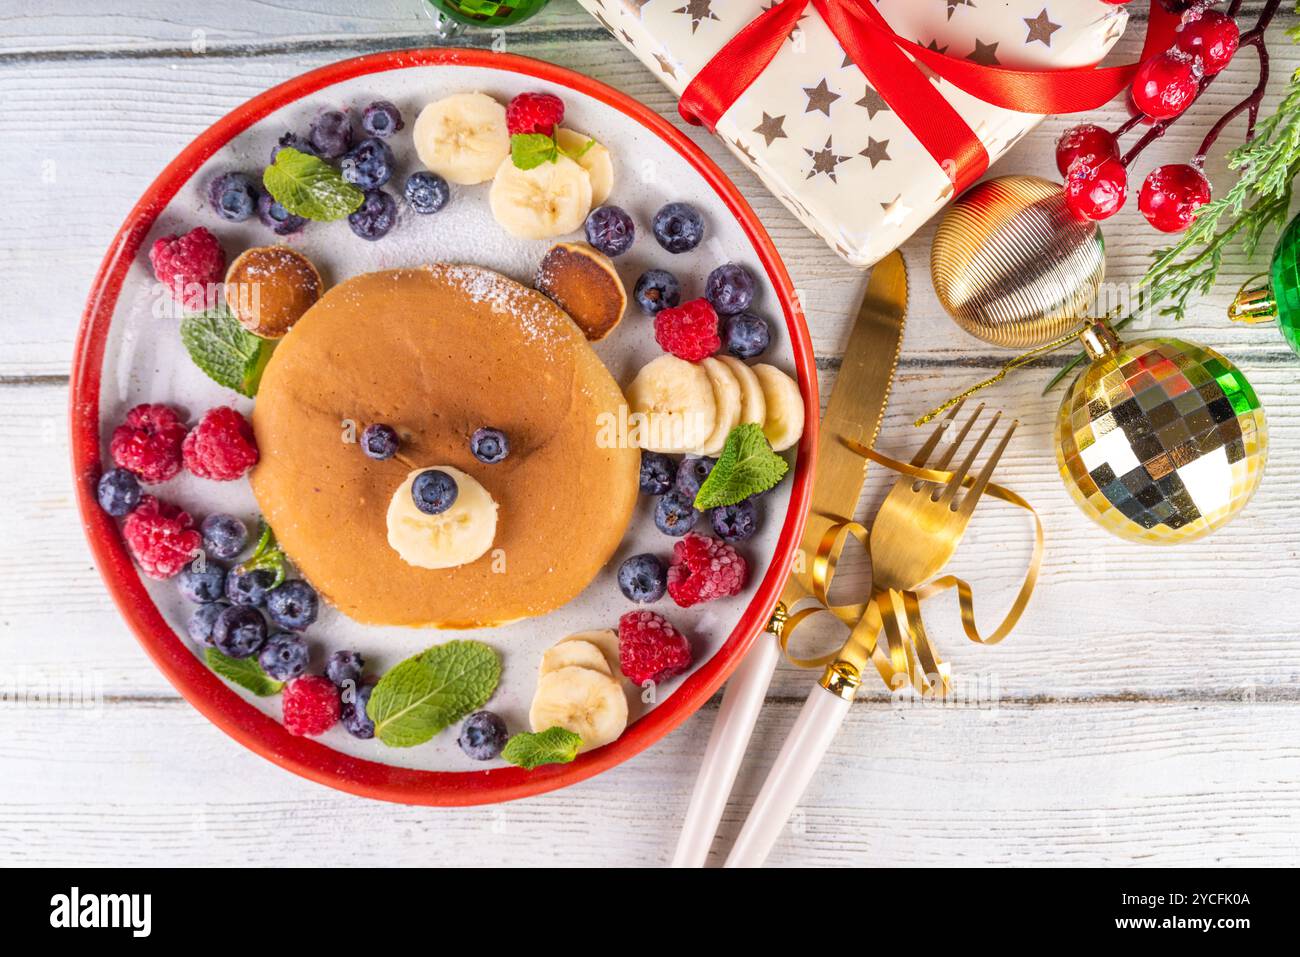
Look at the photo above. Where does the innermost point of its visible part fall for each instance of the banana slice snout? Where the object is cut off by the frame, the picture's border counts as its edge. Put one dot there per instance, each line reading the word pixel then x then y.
pixel 458 536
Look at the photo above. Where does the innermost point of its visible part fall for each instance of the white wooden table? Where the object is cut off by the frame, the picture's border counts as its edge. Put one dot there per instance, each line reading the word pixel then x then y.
pixel 1145 712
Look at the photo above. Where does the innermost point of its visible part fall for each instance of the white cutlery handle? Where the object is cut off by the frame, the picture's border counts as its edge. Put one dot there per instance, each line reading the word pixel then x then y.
pixel 818 722
pixel 741 703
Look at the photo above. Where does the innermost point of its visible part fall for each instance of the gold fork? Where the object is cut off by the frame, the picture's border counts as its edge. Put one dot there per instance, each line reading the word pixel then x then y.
pixel 915 532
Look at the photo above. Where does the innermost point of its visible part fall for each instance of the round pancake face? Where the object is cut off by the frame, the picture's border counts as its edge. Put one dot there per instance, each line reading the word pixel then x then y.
pixel 437 353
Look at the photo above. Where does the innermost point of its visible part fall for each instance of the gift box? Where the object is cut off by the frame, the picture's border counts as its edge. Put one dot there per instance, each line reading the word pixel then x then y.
pixel 863 164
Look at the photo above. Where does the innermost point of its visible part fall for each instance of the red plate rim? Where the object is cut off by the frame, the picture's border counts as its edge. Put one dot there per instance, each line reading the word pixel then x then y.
pixel 208 693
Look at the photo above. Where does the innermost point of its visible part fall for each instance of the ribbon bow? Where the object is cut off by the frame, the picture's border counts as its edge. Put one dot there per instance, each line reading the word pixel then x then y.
pixel 892 65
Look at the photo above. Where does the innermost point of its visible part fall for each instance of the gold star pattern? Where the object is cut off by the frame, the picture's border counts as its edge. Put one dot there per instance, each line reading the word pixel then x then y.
pixel 627 38
pixel 873 103
pixel 895 211
pixel 927 72
pixel 1118 18
pixel 877 151
pixel 604 23
pixel 945 192
pixel 820 98
pixel 635 6
pixel 1041 28
pixel 698 11
pixel 954 4
pixel 772 128
pixel 665 65
pixel 824 160
pixel 794 29
pixel 743 150
pixel 934 45
pixel 984 54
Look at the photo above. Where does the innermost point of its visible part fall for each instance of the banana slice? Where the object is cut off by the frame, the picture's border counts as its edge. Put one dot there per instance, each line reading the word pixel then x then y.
pixel 455 537
pixel 727 397
pixel 753 404
pixel 550 199
pixel 596 161
pixel 674 401
pixel 784 424
pixel 462 137
pixel 573 653
pixel 606 639
pixel 586 702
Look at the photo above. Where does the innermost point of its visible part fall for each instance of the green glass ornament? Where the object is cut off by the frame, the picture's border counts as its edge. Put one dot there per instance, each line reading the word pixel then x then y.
pixel 488 13
pixel 1279 301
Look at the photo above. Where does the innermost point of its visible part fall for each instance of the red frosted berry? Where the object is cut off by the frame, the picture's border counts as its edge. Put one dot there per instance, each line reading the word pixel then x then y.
pixel 190 266
pixel 221 446
pixel 1171 195
pixel 651 649
pixel 1088 142
pixel 162 537
pixel 688 331
pixel 1166 84
pixel 148 443
pixel 703 569
pixel 311 705
pixel 534 113
pixel 1213 37
pixel 1096 192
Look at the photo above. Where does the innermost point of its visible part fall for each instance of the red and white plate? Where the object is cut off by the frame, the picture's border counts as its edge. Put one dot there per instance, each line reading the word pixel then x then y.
pixel 129 351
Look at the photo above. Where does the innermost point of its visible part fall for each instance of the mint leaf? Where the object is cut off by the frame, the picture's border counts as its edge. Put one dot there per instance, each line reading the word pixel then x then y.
pixel 422 695
pixel 227 353
pixel 308 186
pixel 533 149
pixel 552 746
pixel 245 672
pixel 746 467
pixel 579 154
pixel 267 554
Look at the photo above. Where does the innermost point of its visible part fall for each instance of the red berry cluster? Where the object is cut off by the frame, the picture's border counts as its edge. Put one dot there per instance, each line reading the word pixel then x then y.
pixel 1166 84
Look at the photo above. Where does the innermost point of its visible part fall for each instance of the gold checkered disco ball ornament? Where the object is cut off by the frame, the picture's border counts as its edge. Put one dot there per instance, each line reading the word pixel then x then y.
pixel 1159 441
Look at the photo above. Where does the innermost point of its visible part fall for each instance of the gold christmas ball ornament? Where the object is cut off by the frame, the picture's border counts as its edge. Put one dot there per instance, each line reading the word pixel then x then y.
pixel 1012 266
pixel 1159 441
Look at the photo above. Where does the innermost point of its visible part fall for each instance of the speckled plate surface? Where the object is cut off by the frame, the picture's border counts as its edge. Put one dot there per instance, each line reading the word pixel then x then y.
pixel 129 351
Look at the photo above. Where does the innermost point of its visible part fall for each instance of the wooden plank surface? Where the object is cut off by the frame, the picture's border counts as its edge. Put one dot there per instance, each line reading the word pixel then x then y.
pixel 1145 712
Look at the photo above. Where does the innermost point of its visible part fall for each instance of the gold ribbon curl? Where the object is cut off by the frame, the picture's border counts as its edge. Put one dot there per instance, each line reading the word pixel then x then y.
pixel 907 656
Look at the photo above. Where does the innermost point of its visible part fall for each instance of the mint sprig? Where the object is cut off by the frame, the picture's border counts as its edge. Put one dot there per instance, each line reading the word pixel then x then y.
pixel 267 554
pixel 746 467
pixel 245 672
pixel 553 746
pixel 528 150
pixel 308 186
pixel 424 694
pixel 227 353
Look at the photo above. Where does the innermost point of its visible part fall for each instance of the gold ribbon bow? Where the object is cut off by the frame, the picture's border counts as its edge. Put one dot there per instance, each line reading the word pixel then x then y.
pixel 907 656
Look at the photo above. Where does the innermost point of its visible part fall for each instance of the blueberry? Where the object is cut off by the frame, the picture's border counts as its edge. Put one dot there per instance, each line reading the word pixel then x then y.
pixel 434 491
pixel 353 713
pixel 426 192
pixel 375 217
pixel 292 140
pixel 657 289
pixel 610 229
pixel 379 441
pixel 369 164
pixel 331 134
pixel 692 473
pixel 239 631
pixel 200 624
pixel 482 736
pixel 745 336
pixel 224 536
pixel 248 587
pixel 344 667
pixel 730 289
pixel 202 583
pixel 489 445
pixel 118 492
pixel 678 227
pixel 643 578
pixel 233 196
pixel 284 656
pixel 658 473
pixel 675 514
pixel 381 118
pixel 293 605
pixel 276 218
pixel 735 523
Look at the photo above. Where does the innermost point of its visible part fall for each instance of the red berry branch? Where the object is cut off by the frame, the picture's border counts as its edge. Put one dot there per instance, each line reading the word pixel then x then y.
pixel 1166 84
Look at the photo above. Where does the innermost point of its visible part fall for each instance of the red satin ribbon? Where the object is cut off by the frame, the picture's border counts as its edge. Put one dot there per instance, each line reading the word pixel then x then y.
pixel 886 60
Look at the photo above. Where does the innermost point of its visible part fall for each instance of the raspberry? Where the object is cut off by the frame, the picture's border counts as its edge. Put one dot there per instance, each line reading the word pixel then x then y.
pixel 221 446
pixel 688 331
pixel 148 443
pixel 189 266
pixel 534 113
pixel 651 649
pixel 703 569
pixel 162 537
pixel 311 705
